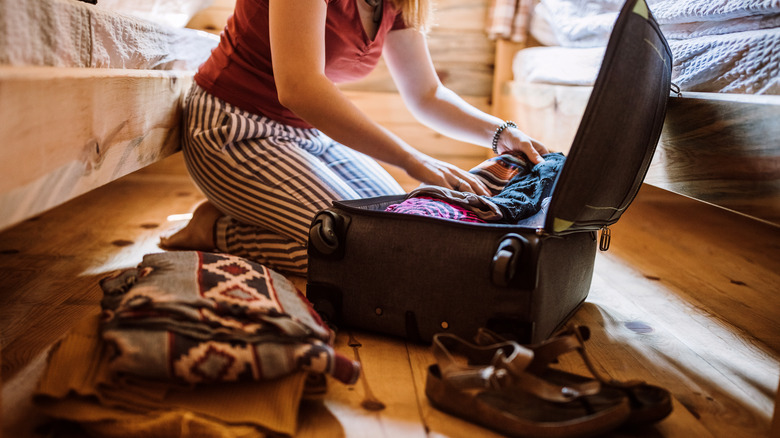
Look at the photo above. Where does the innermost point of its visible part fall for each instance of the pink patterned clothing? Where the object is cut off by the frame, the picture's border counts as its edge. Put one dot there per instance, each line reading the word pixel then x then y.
pixel 425 206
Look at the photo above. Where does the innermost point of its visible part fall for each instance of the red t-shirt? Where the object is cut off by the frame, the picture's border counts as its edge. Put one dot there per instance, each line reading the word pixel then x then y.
pixel 239 70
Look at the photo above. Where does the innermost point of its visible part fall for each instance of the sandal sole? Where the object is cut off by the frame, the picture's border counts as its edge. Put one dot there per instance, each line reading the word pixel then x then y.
pixel 525 416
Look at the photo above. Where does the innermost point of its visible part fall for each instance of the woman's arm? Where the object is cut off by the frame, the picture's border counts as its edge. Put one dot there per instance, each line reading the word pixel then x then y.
pixel 297 30
pixel 407 57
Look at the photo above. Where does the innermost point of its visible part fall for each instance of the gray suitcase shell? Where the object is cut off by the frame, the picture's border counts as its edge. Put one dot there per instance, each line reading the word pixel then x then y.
pixel 414 276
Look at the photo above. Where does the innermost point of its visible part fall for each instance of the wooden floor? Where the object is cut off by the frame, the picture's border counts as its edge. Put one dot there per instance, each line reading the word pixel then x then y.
pixel 686 298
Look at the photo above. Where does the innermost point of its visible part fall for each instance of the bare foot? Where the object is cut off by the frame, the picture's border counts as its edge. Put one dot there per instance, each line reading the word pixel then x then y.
pixel 198 234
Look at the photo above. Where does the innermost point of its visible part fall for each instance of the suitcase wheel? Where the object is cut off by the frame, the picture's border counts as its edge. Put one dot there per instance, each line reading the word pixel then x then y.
pixel 505 260
pixel 322 233
pixel 326 300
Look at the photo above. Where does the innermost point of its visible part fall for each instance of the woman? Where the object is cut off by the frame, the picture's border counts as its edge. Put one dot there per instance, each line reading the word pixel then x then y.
pixel 270 139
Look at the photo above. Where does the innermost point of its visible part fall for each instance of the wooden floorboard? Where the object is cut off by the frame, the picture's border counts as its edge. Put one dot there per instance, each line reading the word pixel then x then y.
pixel 685 298
pixel 387 380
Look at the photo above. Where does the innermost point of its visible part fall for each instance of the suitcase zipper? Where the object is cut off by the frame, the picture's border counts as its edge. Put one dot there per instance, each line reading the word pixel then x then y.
pixel 676 89
pixel 606 238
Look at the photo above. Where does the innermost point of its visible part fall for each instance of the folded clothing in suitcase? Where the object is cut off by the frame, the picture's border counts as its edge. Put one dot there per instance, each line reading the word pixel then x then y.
pixel 415 276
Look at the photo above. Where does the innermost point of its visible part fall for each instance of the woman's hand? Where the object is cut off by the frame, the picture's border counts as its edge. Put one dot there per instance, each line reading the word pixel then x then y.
pixel 431 171
pixel 515 140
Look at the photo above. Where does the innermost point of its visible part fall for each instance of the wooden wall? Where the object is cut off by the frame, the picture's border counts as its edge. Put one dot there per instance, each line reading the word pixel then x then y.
pixel 213 18
pixel 461 52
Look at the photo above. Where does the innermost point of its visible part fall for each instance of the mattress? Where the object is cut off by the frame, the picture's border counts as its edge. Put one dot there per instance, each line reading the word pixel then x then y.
pixel 69 33
pixel 724 46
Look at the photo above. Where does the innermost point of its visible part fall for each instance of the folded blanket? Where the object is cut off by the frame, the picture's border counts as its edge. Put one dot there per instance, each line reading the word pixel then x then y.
pixel 202 318
pixel 509 19
pixel 79 386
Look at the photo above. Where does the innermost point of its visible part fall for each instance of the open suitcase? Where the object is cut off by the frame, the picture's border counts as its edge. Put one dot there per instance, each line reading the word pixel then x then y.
pixel 414 276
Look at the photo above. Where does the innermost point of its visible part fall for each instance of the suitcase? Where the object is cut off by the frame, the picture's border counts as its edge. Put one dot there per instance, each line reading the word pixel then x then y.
pixel 414 276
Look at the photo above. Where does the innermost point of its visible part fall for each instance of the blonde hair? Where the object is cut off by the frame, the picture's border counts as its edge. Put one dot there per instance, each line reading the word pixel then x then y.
pixel 417 13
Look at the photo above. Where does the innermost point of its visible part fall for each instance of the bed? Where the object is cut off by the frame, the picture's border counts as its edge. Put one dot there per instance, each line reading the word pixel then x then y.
pixel 720 140
pixel 89 93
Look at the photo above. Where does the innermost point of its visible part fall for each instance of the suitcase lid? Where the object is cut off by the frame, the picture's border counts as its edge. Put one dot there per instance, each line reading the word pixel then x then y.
pixel 620 128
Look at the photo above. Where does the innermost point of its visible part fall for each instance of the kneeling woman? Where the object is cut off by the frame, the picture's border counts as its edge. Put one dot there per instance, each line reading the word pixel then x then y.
pixel 271 140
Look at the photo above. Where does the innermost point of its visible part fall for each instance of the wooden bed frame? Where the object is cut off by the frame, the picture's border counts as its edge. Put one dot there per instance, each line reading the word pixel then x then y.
pixel 719 148
pixel 66 131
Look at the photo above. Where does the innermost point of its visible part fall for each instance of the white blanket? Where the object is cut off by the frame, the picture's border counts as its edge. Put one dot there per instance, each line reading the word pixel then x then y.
pixel 581 23
pixel 742 62
pixel 689 11
pixel 730 46
pixel 174 13
pixel 68 33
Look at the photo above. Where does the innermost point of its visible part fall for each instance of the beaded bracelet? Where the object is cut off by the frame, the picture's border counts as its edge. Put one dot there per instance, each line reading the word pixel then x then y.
pixel 498 132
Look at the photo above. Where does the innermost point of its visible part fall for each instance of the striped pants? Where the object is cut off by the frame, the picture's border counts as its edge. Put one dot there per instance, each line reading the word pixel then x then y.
pixel 270 179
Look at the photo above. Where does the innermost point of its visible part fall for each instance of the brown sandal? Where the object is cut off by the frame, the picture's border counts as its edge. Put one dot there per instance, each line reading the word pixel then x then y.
pixel 493 388
pixel 649 403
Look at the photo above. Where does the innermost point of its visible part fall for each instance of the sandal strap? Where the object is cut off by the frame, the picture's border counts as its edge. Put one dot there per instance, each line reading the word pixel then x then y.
pixel 500 366
pixel 570 338
pixel 545 352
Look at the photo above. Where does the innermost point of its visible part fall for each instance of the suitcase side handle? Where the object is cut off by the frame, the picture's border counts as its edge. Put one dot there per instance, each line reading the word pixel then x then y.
pixel 513 256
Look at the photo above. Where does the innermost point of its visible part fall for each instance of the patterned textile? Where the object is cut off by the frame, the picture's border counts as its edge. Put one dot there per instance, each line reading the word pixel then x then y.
pixel 200 317
pixel 522 200
pixel 426 206
pixel 78 387
pixel 479 205
pixel 524 195
pixel 495 172
pixel 509 19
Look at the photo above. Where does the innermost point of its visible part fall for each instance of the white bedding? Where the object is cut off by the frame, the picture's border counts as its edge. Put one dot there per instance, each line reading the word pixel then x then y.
pixel 174 13
pixel 689 11
pixel 741 62
pixel 558 65
pixel 730 46
pixel 68 33
pixel 581 23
